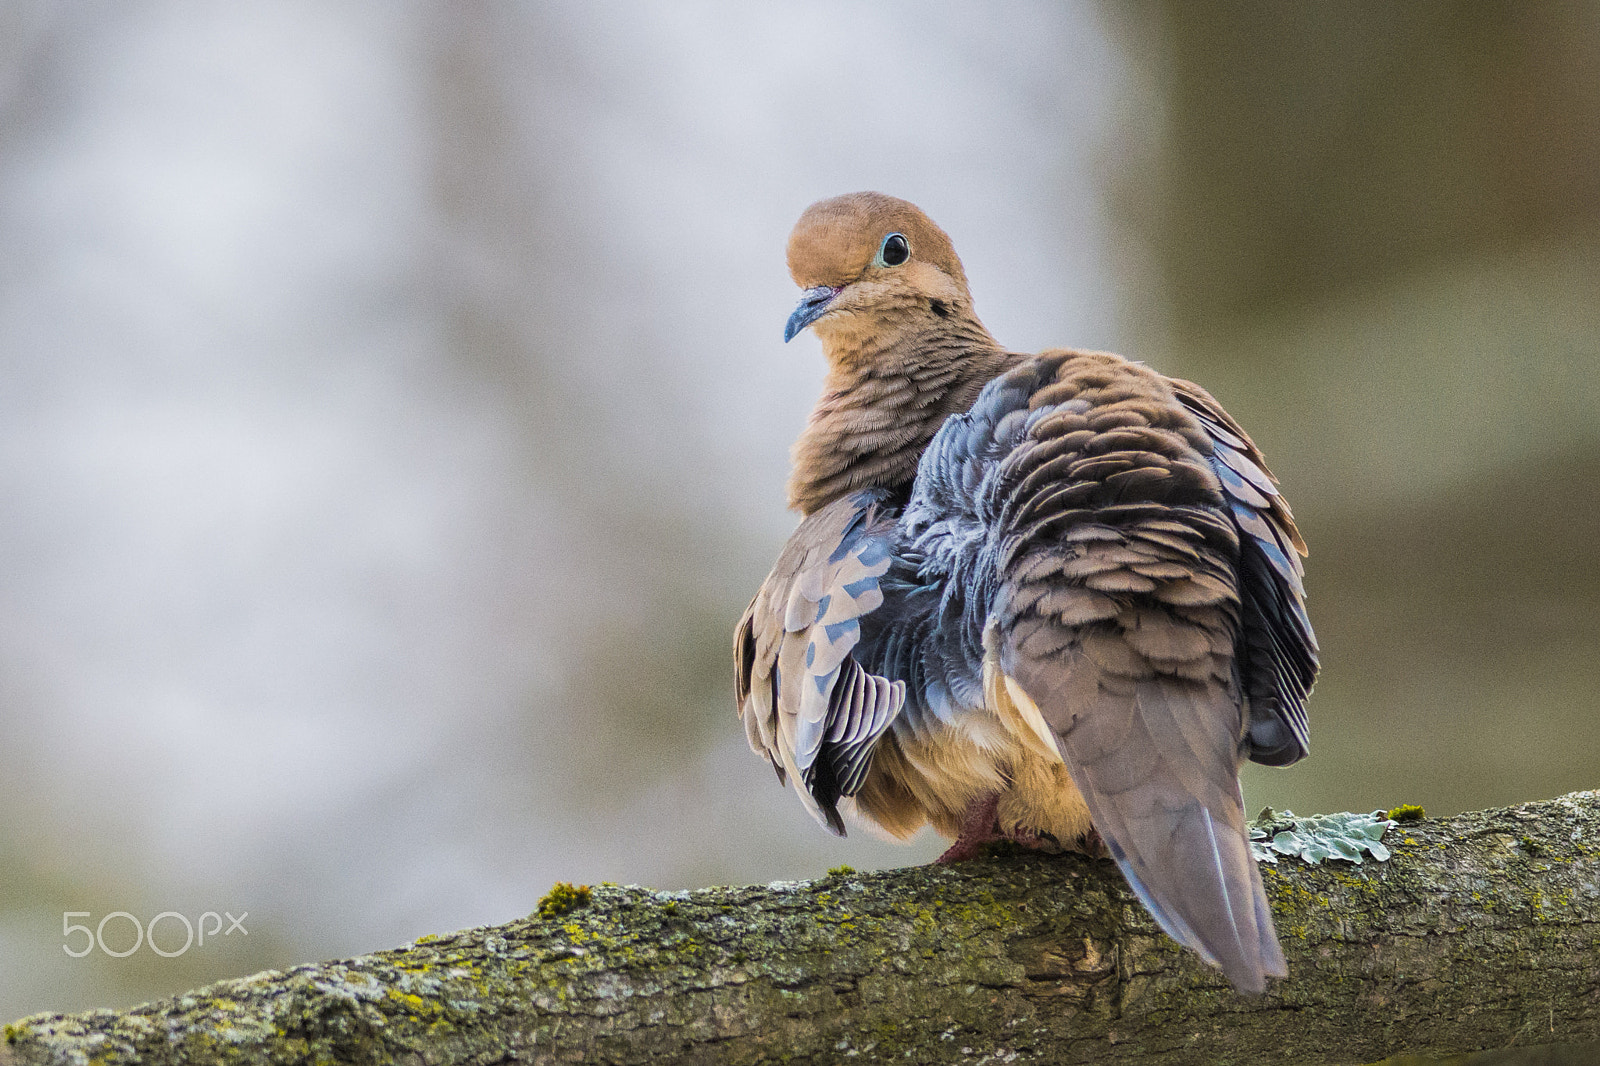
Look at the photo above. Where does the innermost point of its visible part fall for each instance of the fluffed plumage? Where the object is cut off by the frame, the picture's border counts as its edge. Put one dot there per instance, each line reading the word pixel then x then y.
pixel 1031 597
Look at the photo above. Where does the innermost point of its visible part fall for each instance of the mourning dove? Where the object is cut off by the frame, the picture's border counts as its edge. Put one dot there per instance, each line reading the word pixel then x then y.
pixel 1054 599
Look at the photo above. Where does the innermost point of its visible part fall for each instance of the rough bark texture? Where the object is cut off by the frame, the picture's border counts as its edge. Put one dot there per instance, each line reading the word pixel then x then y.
pixel 1483 930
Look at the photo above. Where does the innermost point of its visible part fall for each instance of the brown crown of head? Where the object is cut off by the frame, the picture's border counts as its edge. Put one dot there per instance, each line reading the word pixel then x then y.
pixel 836 240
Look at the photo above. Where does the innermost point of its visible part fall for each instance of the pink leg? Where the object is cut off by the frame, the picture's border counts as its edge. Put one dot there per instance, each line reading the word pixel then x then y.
pixel 979 827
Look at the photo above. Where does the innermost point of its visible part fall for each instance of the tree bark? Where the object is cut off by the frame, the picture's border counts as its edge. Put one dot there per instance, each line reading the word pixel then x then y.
pixel 1482 930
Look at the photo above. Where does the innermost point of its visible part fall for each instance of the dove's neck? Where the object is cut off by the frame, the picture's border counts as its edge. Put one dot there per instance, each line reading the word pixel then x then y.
pixel 882 403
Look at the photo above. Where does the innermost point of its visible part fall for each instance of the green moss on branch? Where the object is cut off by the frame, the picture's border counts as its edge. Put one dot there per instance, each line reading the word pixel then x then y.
pixel 1478 926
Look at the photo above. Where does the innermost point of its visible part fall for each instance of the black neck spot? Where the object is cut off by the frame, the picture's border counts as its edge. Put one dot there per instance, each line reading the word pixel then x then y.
pixel 940 308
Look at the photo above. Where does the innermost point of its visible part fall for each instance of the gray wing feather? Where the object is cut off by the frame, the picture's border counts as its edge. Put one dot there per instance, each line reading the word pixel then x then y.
pixel 807 705
pixel 1108 537
pixel 1278 659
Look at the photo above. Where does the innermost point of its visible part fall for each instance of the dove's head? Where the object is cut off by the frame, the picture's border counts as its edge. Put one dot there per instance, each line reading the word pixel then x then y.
pixel 874 268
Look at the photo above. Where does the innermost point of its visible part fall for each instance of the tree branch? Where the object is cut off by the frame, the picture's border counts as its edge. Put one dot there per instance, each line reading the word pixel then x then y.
pixel 1483 930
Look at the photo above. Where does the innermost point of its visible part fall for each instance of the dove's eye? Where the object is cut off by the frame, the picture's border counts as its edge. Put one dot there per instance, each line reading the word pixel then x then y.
pixel 894 250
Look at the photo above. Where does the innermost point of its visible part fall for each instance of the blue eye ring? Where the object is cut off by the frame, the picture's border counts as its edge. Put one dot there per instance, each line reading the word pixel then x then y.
pixel 894 250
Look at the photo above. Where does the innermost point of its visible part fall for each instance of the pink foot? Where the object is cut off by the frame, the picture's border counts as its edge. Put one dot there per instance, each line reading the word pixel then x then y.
pixel 1091 845
pixel 1035 840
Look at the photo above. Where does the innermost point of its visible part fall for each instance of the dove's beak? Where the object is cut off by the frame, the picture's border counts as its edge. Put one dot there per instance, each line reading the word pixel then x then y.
pixel 813 305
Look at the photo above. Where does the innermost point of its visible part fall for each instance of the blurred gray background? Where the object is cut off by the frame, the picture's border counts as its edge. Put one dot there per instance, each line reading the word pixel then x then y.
pixel 394 414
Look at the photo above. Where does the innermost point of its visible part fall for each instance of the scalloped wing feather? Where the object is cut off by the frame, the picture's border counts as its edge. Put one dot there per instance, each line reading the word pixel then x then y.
pixel 1279 656
pixel 805 702
pixel 1119 603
